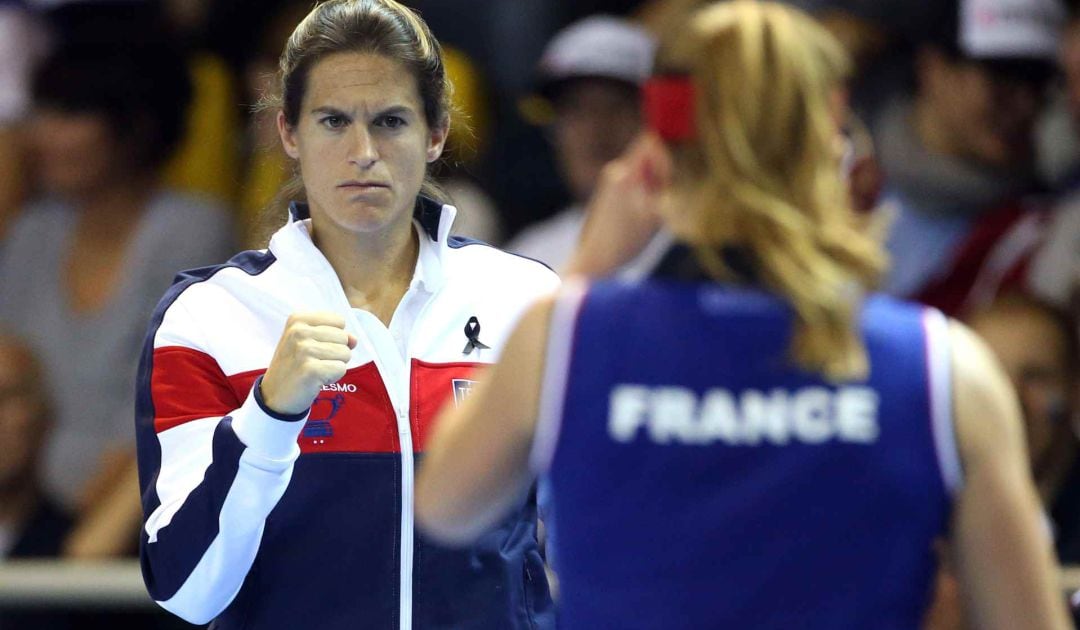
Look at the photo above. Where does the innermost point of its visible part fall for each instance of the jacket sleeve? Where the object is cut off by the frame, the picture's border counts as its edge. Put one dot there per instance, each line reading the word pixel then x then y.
pixel 211 468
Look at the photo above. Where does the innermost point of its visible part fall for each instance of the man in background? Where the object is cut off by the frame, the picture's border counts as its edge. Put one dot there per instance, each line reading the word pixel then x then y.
pixel 589 78
pixel 959 156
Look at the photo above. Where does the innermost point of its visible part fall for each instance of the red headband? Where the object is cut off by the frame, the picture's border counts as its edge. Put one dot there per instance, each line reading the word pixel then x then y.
pixel 668 103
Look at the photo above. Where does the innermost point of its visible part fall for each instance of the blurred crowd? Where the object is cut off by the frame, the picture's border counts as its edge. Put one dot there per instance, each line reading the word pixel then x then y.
pixel 132 145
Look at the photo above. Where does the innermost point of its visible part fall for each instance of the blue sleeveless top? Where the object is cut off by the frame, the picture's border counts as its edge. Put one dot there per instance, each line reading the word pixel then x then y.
pixel 701 480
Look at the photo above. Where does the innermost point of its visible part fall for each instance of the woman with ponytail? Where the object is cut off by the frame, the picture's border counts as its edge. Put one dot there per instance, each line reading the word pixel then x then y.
pixel 748 437
pixel 286 396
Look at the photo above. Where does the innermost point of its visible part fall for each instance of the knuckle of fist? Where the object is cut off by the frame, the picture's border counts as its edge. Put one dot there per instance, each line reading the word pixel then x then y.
pixel 294 333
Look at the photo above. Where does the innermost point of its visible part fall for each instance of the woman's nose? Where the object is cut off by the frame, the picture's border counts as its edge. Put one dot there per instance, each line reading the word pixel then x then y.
pixel 363 152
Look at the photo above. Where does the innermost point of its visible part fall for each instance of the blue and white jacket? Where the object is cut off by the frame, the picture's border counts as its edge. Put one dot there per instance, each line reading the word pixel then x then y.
pixel 260 521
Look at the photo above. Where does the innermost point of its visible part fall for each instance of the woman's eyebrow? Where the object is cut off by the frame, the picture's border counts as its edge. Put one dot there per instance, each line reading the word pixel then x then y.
pixel 326 109
pixel 390 110
pixel 395 110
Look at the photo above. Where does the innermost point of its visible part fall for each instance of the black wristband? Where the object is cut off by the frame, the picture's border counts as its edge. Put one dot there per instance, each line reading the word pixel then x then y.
pixel 284 417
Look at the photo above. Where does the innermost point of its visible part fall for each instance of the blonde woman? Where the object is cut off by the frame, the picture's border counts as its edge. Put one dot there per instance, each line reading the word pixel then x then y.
pixel 748 439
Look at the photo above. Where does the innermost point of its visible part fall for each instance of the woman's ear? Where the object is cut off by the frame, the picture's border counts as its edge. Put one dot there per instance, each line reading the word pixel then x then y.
pixel 288 136
pixel 436 141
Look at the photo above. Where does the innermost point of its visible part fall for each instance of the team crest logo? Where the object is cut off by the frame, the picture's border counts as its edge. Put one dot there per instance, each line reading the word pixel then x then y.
pixel 322 411
pixel 462 389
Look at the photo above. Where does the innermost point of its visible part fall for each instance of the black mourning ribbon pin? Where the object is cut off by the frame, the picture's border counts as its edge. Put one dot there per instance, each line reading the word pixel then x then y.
pixel 472 331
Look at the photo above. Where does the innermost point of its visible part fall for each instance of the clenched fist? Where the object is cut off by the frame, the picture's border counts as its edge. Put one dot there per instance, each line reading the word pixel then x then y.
pixel 313 351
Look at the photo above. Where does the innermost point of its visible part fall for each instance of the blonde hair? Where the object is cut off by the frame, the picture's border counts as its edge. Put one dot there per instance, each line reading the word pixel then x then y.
pixel 763 172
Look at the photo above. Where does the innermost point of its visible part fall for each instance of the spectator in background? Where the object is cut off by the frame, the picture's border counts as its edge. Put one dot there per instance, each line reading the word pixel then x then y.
pixel 959 158
pixel 21 40
pixel 206 158
pixel 590 74
pixel 32 524
pixel 82 268
pixel 1055 269
pixel 1036 344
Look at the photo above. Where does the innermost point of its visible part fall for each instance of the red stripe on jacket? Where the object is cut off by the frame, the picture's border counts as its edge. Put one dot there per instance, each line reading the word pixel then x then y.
pixel 354 415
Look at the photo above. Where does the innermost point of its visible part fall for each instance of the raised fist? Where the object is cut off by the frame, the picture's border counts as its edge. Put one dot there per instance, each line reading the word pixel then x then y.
pixel 313 351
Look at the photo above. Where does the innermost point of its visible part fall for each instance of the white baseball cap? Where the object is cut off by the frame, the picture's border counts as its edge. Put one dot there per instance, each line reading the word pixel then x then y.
pixel 1010 29
pixel 600 46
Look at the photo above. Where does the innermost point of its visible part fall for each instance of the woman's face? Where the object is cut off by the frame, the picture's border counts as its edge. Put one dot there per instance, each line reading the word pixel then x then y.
pixel 985 116
pixel 362 142
pixel 75 153
pixel 595 121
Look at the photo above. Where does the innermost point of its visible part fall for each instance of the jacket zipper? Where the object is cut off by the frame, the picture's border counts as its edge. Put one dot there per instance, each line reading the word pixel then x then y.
pixel 408 469
pixel 405 439
pixel 405 442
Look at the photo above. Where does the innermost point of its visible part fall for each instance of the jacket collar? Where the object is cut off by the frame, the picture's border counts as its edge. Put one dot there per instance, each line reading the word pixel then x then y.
pixel 292 244
pixel 427 212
